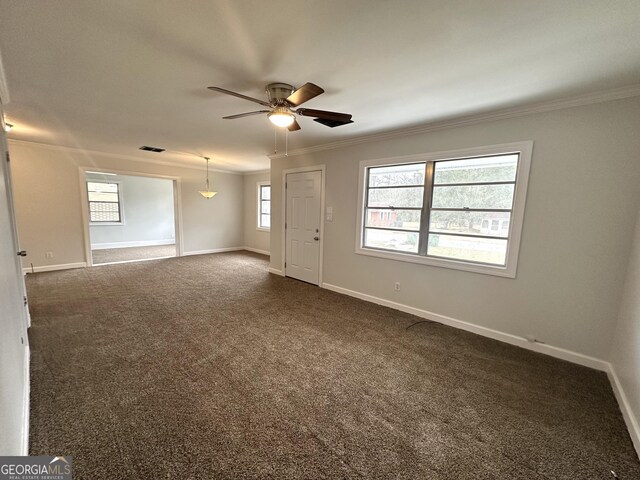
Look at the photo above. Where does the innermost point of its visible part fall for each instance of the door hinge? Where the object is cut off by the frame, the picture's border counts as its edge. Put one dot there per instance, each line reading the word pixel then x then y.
pixel 285 264
pixel 285 225
pixel 25 300
pixel 286 184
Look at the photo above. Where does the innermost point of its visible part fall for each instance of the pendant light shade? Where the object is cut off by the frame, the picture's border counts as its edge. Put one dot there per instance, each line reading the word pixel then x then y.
pixel 207 193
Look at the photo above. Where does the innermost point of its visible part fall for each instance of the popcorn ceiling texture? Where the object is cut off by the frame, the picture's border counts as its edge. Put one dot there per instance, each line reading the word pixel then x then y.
pixel 208 367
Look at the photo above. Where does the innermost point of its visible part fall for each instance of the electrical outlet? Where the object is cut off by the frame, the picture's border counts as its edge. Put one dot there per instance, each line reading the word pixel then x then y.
pixel 48 255
pixel 396 287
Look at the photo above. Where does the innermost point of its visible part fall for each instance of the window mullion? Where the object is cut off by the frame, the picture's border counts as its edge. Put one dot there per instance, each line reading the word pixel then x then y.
pixel 426 209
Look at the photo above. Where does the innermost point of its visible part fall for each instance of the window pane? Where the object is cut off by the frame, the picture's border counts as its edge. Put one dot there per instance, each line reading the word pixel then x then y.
pixel 391 240
pixel 474 196
pixel 105 216
pixel 265 207
pixel 477 170
pixel 470 223
pixel 411 174
pixel 103 197
pixel 484 250
pixel 103 207
pixel 102 187
pixel 265 221
pixel 404 219
pixel 396 197
pixel 265 192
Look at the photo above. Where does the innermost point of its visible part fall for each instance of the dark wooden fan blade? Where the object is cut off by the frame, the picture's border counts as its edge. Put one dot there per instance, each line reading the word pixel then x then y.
pixel 294 126
pixel 304 93
pixel 248 114
pixel 339 117
pixel 332 123
pixel 239 95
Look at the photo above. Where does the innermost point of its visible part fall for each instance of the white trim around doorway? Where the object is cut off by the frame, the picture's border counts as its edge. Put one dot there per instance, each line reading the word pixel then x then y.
pixel 177 206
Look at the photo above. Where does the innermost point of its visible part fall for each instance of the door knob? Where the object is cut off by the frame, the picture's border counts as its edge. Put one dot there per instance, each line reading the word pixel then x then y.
pixel 316 238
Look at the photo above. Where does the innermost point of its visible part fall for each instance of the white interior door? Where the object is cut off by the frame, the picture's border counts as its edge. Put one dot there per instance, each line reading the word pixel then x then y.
pixel 14 228
pixel 9 239
pixel 302 226
pixel 13 328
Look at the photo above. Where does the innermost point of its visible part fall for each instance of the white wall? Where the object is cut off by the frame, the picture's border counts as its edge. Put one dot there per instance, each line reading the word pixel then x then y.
pixel 49 207
pixel 147 207
pixel 582 202
pixel 14 373
pixel 254 238
pixel 625 351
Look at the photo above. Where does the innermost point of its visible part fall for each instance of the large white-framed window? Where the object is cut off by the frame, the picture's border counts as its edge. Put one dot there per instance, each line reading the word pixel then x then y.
pixel 459 209
pixel 264 206
pixel 105 203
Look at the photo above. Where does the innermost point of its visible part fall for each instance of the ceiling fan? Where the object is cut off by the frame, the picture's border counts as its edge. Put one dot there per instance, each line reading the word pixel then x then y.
pixel 282 99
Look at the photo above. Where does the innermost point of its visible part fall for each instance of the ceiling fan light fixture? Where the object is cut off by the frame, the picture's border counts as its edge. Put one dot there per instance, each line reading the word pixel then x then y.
pixel 281 117
pixel 8 127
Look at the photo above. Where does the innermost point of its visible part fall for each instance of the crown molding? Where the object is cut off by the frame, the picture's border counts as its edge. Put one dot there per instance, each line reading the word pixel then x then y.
pixel 4 89
pixel 256 172
pixel 530 109
pixel 118 156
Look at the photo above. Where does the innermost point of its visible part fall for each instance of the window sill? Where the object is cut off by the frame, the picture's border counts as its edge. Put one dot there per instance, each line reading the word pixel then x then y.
pixel 439 262
pixel 262 229
pixel 105 224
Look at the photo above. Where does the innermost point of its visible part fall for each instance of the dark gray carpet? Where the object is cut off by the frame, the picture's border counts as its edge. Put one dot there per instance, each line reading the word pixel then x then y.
pixel 208 367
pixel 110 255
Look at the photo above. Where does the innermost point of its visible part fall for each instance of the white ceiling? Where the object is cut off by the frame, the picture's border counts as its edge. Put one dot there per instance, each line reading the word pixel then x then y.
pixel 114 75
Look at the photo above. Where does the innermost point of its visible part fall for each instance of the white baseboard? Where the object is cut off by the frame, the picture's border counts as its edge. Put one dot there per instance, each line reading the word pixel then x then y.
pixel 556 352
pixel 26 402
pixel 255 250
pixel 627 413
pixel 214 250
pixel 276 271
pixel 141 243
pixel 51 268
pixel 137 260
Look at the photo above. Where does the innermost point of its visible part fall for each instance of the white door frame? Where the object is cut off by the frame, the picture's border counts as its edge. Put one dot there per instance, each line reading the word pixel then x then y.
pixel 283 243
pixel 177 206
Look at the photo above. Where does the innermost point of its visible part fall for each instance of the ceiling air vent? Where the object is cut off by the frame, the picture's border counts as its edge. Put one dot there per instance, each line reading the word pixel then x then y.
pixel 147 148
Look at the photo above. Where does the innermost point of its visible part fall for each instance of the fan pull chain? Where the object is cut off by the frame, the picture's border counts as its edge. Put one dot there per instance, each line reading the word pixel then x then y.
pixel 286 142
pixel 275 139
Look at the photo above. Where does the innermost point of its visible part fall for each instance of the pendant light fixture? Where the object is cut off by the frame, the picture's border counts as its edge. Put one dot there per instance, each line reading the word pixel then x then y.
pixel 207 193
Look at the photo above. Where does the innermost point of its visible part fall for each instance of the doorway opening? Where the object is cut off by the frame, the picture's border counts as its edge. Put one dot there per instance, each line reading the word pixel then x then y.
pixel 129 218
